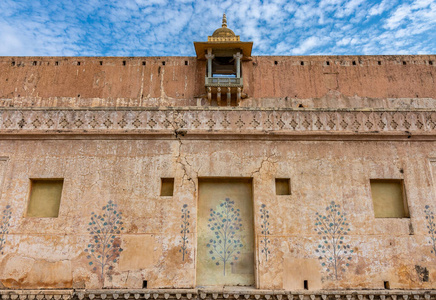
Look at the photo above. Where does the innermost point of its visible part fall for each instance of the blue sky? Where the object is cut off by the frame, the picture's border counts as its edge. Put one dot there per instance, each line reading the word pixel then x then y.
pixel 168 27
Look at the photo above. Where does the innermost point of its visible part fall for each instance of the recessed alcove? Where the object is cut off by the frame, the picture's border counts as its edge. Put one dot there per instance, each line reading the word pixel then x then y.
pixel 45 198
pixel 387 285
pixel 167 187
pixel 389 198
pixel 283 186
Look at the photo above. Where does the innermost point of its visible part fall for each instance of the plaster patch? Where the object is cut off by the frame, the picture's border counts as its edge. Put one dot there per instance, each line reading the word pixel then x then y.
pixel 139 252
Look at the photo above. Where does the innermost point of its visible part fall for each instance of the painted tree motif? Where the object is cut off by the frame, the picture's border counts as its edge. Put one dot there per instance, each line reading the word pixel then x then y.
pixel 185 230
pixel 225 223
pixel 334 252
pixel 105 246
pixel 265 241
pixel 4 226
pixel 431 226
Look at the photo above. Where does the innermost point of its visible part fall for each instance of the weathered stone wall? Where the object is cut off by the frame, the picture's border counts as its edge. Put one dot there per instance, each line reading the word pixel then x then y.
pixel 50 252
pixel 347 81
pixel 111 128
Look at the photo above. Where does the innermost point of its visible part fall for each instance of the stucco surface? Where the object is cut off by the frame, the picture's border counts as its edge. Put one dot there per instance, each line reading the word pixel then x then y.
pixel 128 172
pixel 111 128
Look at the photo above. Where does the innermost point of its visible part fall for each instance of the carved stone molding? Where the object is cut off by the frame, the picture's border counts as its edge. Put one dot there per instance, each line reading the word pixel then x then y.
pixel 231 121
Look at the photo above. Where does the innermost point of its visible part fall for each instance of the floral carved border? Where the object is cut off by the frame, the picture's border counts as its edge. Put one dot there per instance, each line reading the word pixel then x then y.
pixel 239 121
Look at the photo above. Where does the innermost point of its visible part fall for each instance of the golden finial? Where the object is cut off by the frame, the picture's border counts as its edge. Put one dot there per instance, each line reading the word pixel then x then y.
pixel 223 34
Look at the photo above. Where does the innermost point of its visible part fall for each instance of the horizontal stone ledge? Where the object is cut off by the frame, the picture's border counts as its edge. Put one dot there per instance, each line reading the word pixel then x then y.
pixel 208 136
pixel 216 108
pixel 224 293
pixel 217 121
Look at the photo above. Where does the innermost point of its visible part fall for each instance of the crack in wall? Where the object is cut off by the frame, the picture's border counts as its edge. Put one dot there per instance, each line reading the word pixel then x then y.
pixel 268 159
pixel 182 160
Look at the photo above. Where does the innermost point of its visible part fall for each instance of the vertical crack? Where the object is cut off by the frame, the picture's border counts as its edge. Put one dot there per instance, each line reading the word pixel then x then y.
pixel 183 161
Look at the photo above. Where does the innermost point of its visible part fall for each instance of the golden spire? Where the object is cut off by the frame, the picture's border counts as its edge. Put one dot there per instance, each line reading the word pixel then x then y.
pixel 223 34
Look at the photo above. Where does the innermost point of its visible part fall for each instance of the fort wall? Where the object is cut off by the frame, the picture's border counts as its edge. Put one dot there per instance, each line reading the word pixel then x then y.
pixel 269 81
pixel 113 132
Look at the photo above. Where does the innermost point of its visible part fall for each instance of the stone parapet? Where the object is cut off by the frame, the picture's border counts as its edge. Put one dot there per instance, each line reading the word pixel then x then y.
pixel 223 293
pixel 218 121
pixel 178 81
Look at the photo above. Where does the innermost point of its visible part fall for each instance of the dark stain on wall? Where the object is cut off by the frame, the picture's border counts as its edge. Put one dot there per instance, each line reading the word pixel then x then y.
pixel 422 273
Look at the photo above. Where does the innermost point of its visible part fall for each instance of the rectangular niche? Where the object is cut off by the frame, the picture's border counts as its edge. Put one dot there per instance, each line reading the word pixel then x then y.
pixel 283 186
pixel 389 198
pixel 167 186
pixel 225 220
pixel 45 198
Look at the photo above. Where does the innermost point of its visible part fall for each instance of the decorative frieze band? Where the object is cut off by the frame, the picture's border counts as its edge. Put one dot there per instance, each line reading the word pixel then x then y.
pixel 221 295
pixel 219 120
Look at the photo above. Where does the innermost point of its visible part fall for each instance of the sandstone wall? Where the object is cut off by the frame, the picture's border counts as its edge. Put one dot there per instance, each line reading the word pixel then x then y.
pixel 316 81
pixel 49 252
pixel 111 128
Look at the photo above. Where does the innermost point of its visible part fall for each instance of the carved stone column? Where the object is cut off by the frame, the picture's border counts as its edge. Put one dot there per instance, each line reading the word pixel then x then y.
pixel 209 56
pixel 237 58
pixel 229 96
pixel 209 95
pixel 218 95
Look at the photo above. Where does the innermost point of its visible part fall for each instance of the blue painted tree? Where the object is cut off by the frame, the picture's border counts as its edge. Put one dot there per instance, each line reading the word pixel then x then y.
pixel 4 226
pixel 185 230
pixel 265 241
pixel 225 223
pixel 105 246
pixel 431 226
pixel 334 253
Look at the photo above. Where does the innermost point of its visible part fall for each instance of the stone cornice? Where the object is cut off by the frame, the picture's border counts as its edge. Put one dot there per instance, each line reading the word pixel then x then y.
pixel 234 121
pixel 212 294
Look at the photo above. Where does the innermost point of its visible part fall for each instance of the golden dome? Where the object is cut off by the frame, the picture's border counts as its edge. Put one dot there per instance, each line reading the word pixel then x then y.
pixel 223 33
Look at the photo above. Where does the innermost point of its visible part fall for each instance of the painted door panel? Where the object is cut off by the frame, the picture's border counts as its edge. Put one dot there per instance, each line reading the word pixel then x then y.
pixel 225 242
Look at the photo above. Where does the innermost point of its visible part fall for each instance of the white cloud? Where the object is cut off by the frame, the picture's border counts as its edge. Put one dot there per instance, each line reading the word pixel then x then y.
pixel 422 4
pixel 398 17
pixel 345 41
pixel 349 8
pixel 308 44
pixel 380 8
pixel 11 42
